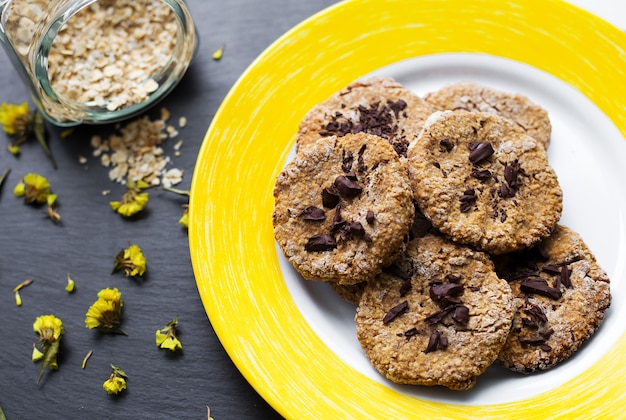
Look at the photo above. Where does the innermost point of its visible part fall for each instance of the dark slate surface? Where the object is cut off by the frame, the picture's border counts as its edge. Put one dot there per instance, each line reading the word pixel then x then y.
pixel 161 385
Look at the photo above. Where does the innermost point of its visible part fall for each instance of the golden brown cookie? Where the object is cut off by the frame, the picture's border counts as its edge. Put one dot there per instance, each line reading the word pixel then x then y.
pixel 379 106
pixel 476 98
pixel 440 319
pixel 343 208
pixel 561 294
pixel 481 180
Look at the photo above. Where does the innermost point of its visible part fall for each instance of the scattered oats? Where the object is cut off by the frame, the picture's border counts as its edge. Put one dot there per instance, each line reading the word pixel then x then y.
pixel 106 192
pixel 134 152
pixel 96 142
pixel 177 153
pixel 182 122
pixel 165 114
pixel 178 145
pixel 172 177
pixel 82 160
pixel 105 161
pixel 171 131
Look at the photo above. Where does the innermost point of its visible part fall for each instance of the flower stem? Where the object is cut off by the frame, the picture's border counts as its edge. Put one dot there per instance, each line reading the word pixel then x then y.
pixel 3 176
pixel 40 132
pixel 49 355
pixel 176 191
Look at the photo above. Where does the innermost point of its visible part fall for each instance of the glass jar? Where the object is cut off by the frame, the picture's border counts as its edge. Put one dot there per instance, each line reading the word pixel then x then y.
pixel 97 61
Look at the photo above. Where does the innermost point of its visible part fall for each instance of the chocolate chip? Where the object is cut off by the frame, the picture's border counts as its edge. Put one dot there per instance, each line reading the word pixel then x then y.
pixel 536 313
pixel 446 145
pixel 443 291
pixel 483 176
pixel 411 332
pixel 505 191
pixel 539 286
pixel 330 198
pixel 433 342
pixel 313 213
pixel 369 217
pixel 437 341
pixel 461 314
pixel 356 229
pixel 396 106
pixel 320 243
pixel 395 312
pixel 512 171
pixel 551 269
pixel 360 163
pixel 338 221
pixel 480 151
pixel 347 159
pixel 467 200
pixel 438 316
pixel 346 187
pixel 565 277
pixel 351 175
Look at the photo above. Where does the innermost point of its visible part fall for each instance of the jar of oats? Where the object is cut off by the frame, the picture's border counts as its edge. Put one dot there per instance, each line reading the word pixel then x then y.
pixel 97 61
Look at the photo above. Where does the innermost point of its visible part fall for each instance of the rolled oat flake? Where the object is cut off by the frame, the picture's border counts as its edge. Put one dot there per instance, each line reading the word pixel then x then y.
pixel 97 61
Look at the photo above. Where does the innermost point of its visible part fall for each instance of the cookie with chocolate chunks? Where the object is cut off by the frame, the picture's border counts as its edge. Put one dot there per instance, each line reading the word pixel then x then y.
pixel 378 105
pixel 476 98
pixel 343 208
pixel 482 181
pixel 561 295
pixel 439 318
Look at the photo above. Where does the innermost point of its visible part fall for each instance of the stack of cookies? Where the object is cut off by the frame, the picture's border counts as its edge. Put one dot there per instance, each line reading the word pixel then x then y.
pixel 438 217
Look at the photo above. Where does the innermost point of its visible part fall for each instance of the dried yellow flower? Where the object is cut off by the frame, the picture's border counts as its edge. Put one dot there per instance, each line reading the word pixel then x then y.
pixel 14 149
pixel 50 329
pixel 116 382
pixel 16 291
pixel 70 284
pixel 131 260
pixel 184 219
pixel 36 190
pixel 217 55
pixel 87 356
pixel 166 337
pixel 106 312
pixel 37 354
pixel 15 119
pixel 133 201
pixel 18 121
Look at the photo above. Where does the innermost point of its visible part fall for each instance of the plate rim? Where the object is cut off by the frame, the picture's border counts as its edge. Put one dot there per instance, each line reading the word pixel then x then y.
pixel 240 346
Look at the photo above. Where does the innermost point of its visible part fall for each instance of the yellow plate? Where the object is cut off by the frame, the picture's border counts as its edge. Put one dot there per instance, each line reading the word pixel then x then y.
pixel 274 341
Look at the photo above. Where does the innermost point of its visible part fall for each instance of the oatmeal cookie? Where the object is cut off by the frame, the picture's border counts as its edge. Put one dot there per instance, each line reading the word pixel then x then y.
pixel 379 106
pixel 442 322
pixel 343 208
pixel 561 294
pixel 483 182
pixel 476 98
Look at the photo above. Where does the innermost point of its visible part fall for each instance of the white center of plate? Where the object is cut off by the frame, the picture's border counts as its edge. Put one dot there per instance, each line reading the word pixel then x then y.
pixel 586 151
